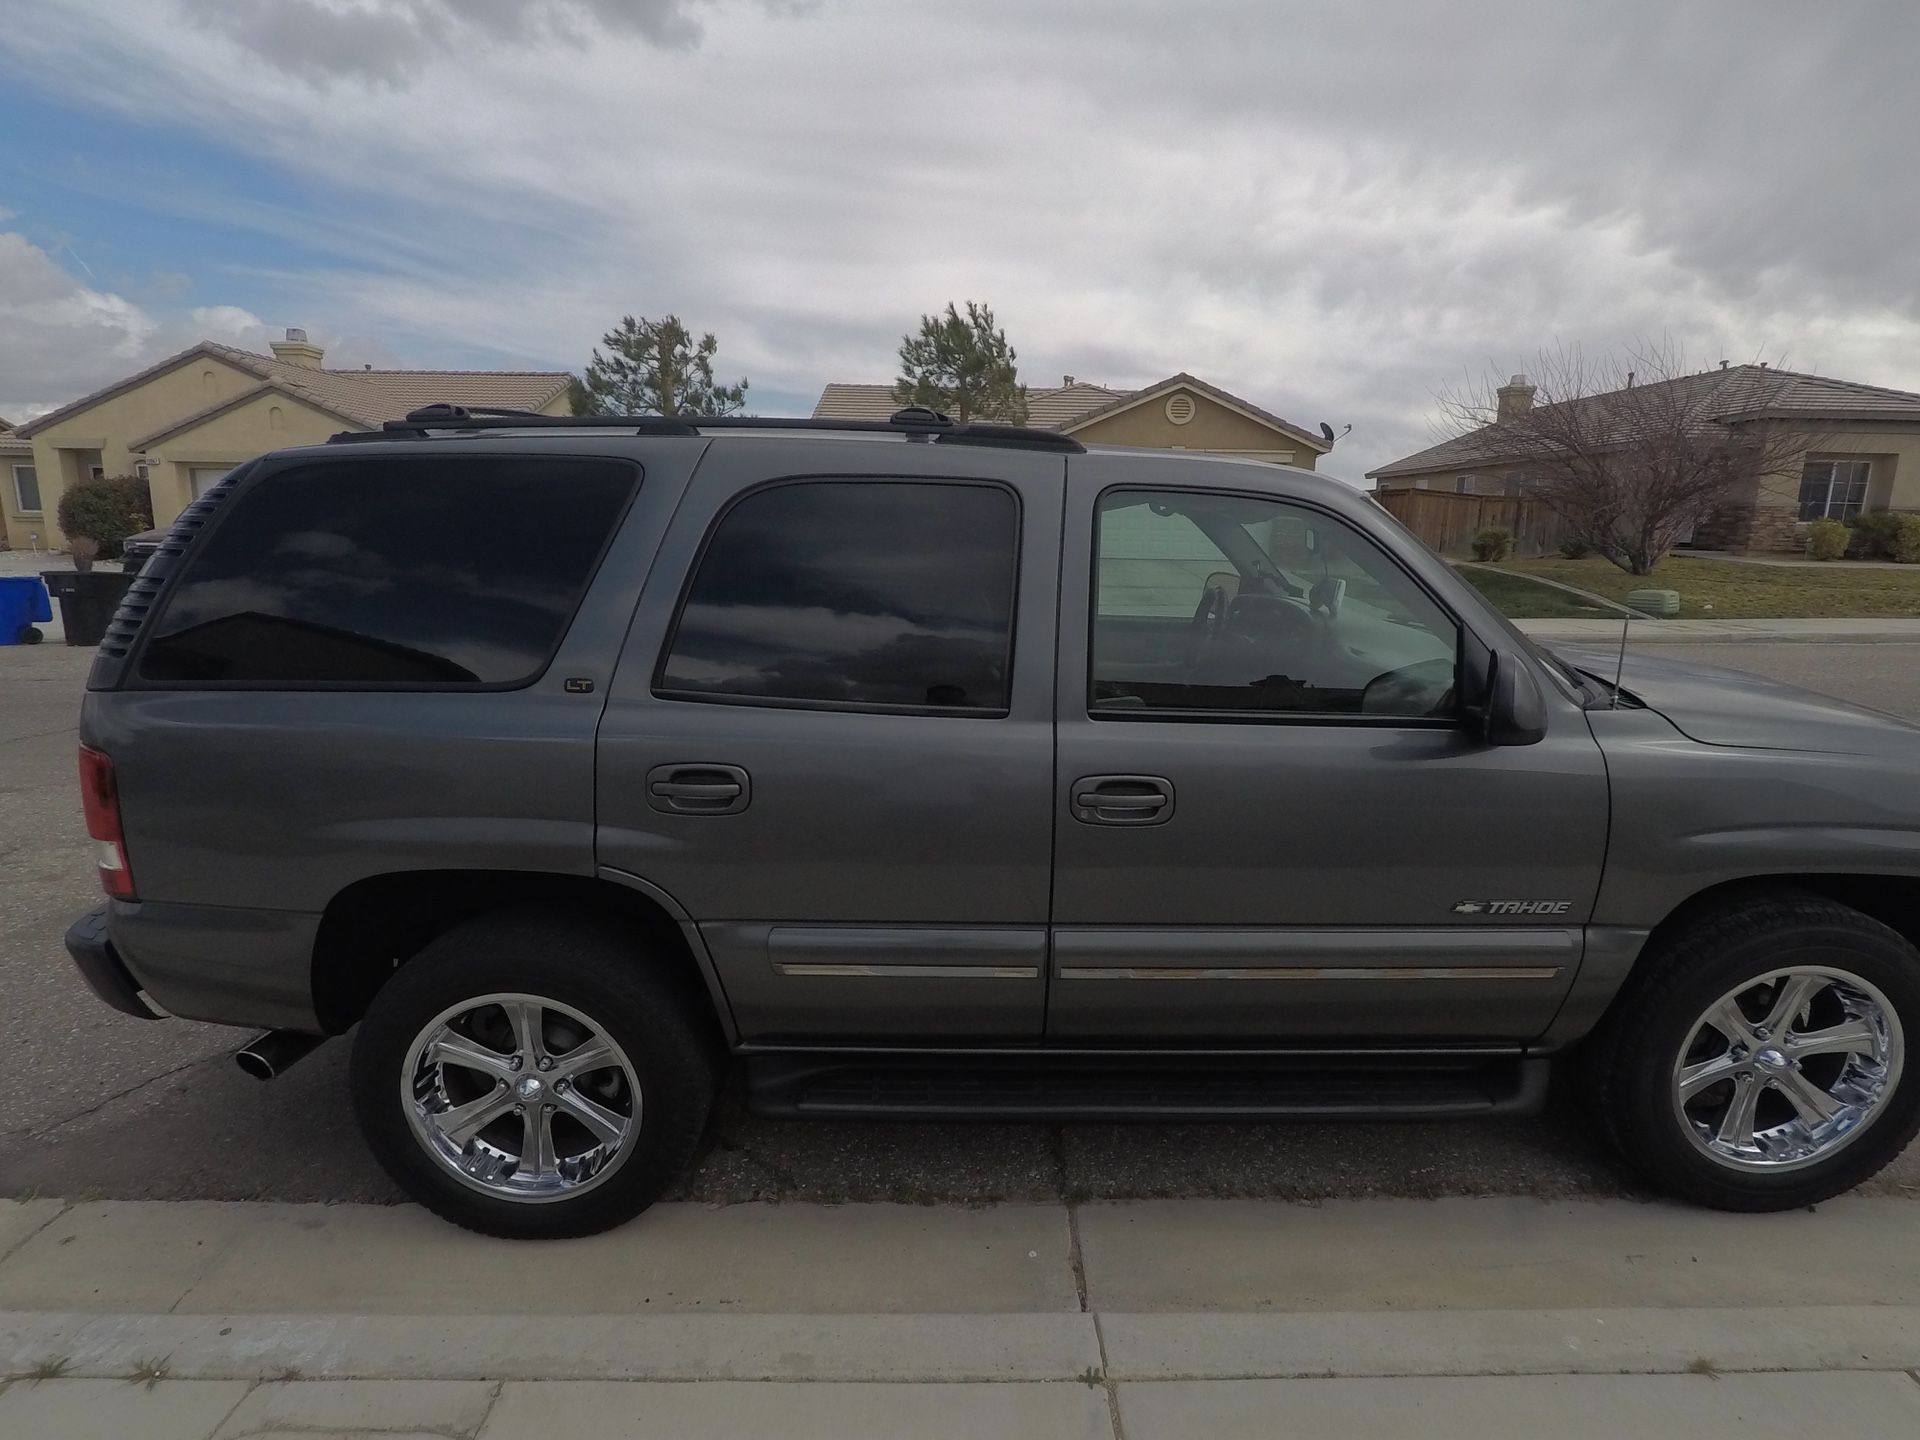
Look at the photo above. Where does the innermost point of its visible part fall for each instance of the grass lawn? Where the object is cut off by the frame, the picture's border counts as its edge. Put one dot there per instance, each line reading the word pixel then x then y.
pixel 1516 596
pixel 1728 590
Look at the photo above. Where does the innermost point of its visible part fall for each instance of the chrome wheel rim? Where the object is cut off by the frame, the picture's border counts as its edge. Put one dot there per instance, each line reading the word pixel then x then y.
pixel 521 1097
pixel 1787 1069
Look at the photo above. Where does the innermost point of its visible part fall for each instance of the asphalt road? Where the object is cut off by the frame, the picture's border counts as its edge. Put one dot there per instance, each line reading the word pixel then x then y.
pixel 99 1105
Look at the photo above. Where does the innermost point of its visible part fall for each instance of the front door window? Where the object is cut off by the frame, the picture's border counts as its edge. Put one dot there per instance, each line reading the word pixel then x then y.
pixel 1228 604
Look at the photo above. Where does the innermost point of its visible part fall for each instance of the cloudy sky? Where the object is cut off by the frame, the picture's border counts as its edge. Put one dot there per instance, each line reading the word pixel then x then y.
pixel 1330 209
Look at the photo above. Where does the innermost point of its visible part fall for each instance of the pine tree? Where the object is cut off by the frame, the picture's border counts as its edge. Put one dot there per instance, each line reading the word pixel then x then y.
pixel 653 367
pixel 962 365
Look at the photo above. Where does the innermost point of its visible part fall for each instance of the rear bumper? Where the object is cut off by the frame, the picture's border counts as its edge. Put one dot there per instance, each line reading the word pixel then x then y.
pixel 200 962
pixel 101 967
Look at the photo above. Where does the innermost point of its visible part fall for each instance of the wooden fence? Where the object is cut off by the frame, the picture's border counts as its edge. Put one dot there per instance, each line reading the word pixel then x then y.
pixel 1447 521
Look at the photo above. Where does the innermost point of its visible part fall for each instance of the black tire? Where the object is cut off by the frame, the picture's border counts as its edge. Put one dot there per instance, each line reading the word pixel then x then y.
pixel 643 1006
pixel 31 635
pixel 1631 1058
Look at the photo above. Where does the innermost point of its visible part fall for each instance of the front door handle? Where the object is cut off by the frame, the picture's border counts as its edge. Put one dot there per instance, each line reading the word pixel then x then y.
pixel 688 789
pixel 1122 800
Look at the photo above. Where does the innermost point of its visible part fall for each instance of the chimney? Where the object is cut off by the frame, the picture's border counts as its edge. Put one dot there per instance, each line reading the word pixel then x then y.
pixel 296 349
pixel 1514 399
pixel 1066 380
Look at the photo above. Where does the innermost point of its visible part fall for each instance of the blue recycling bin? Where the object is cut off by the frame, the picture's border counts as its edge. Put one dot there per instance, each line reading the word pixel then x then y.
pixel 24 603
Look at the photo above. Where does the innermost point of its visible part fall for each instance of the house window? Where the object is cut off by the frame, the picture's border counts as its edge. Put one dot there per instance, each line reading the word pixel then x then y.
pixel 26 489
pixel 1833 489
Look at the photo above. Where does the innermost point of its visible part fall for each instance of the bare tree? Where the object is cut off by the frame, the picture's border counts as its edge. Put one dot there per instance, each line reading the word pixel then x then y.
pixel 1631 451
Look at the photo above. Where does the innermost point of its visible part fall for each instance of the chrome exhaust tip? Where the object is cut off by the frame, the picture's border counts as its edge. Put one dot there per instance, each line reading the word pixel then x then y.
pixel 272 1054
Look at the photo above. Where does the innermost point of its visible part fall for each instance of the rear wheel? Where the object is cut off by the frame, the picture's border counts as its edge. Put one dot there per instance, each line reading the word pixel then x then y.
pixel 529 1076
pixel 1759 1058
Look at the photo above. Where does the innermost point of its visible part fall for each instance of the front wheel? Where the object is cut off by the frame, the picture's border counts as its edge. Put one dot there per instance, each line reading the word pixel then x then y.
pixel 530 1077
pixel 1759 1058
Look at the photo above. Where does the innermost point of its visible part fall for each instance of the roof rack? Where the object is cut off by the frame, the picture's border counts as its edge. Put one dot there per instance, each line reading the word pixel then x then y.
pixel 915 422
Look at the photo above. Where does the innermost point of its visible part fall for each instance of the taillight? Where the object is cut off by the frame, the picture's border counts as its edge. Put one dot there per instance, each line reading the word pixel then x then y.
pixel 100 797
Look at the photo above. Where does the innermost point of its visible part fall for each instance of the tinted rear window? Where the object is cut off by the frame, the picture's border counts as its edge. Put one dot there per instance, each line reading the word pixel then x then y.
pixel 396 570
pixel 869 593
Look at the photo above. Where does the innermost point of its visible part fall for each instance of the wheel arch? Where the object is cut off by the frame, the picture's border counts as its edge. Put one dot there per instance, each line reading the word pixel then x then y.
pixel 373 926
pixel 1613 952
pixel 1893 900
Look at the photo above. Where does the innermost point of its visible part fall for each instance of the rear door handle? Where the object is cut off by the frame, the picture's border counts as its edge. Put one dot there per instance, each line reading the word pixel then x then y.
pixel 689 789
pixel 1122 800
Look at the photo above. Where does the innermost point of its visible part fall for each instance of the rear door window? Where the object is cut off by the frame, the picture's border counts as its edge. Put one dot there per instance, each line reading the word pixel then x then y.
pixel 855 594
pixel 401 571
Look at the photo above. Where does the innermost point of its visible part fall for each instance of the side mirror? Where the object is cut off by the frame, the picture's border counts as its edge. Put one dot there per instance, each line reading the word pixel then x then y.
pixel 1515 712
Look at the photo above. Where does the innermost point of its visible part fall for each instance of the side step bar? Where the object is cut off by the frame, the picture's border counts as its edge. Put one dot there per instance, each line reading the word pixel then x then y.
pixel 1103 1089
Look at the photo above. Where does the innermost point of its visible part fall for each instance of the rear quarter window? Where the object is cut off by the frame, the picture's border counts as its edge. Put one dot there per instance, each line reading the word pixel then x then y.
pixel 392 571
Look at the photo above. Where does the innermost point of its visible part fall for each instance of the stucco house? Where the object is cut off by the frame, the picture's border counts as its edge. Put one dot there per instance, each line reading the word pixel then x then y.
pixel 20 506
pixel 187 420
pixel 1178 413
pixel 1862 452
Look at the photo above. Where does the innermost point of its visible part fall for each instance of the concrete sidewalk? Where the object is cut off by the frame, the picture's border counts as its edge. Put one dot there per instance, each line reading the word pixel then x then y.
pixel 1145 1319
pixel 1646 629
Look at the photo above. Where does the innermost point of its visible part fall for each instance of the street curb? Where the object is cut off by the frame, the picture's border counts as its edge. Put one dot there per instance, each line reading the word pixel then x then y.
pixel 979 1348
pixel 996 1347
pixel 1641 1341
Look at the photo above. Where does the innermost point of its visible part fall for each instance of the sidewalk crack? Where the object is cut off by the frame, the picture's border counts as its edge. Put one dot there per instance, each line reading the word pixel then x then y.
pixel 224 1419
pixel 1106 1382
pixel 1074 1256
pixel 493 1399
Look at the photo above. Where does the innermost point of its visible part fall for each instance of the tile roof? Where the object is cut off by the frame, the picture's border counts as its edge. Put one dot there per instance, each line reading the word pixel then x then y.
pixel 1047 408
pixel 1182 380
pixel 1736 395
pixel 1061 407
pixel 362 397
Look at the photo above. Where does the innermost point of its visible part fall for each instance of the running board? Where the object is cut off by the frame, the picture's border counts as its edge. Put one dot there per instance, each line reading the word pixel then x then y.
pixel 1077 1088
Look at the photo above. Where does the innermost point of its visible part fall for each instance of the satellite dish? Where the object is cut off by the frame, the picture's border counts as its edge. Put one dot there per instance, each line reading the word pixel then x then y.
pixel 1333 439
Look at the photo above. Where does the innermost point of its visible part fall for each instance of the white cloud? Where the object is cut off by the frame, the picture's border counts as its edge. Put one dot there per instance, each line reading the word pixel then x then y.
pixel 1330 210
pixel 60 335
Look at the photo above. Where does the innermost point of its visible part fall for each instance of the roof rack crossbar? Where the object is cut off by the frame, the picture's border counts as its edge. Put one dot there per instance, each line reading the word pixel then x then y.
pixel 915 422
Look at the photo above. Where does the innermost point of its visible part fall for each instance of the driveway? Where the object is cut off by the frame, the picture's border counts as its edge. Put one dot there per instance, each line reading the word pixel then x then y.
pixel 119 1108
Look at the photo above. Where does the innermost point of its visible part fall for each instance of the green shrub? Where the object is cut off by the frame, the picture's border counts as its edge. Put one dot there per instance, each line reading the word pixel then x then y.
pixel 1905 546
pixel 107 510
pixel 1493 543
pixel 1874 532
pixel 1827 539
pixel 1574 548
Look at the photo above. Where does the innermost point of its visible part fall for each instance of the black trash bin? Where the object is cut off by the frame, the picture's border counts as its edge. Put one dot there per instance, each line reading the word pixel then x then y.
pixel 87 602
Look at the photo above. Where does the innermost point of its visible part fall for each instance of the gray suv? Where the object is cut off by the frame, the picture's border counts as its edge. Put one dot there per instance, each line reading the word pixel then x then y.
pixel 957 770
